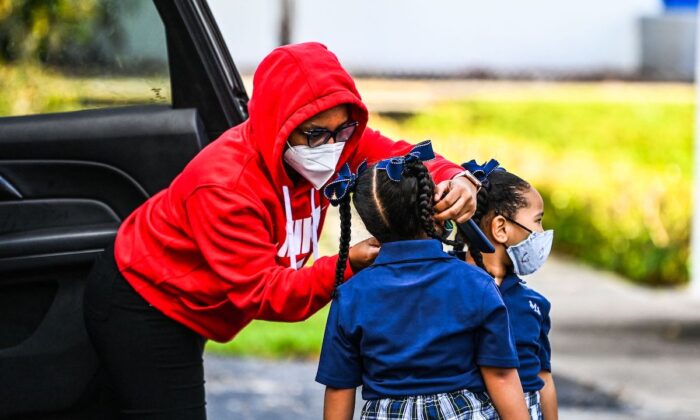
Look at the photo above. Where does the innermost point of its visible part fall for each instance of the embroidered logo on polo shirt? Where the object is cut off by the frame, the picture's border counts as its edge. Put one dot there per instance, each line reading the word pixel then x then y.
pixel 535 307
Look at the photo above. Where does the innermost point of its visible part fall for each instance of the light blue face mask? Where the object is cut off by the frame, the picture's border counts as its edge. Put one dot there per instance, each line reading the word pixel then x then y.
pixel 530 254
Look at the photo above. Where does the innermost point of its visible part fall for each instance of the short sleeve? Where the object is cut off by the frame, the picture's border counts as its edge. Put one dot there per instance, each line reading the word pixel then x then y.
pixel 340 365
pixel 495 346
pixel 545 352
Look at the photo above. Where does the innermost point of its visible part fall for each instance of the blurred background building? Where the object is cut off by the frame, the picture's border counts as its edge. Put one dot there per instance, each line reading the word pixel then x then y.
pixel 541 38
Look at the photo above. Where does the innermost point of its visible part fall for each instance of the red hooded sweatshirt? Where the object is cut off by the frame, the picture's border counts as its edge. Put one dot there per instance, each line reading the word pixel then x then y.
pixel 212 251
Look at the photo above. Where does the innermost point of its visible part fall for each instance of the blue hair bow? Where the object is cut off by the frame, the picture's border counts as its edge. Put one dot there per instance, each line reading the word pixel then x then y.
pixel 394 166
pixel 482 172
pixel 344 183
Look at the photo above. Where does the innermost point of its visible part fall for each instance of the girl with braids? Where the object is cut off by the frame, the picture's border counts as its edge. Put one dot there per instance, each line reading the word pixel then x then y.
pixel 426 335
pixel 510 211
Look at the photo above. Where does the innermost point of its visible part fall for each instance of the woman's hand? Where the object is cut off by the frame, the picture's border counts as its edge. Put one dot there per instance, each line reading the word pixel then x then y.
pixel 455 200
pixel 362 254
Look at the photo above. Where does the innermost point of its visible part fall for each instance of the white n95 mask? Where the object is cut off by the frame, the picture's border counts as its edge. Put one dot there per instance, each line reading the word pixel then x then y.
pixel 316 164
pixel 530 254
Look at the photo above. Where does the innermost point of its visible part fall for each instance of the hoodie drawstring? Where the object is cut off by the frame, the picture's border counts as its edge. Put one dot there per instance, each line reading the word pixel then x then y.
pixel 315 220
pixel 292 245
pixel 290 229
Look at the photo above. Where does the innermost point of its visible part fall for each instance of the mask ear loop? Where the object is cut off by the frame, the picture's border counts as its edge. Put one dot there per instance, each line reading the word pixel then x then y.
pixel 513 221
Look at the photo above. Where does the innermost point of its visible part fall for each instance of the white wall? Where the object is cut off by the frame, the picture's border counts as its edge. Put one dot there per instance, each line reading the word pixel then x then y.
pixel 447 36
pixel 249 27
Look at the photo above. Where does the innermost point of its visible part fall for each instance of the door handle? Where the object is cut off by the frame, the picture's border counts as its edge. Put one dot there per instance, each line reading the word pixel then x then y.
pixel 7 190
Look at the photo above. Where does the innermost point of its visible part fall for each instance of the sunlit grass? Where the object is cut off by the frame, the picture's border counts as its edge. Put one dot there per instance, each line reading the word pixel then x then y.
pixel 277 340
pixel 32 90
pixel 615 175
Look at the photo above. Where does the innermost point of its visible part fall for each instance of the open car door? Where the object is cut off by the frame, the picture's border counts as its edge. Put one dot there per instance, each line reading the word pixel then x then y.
pixel 68 179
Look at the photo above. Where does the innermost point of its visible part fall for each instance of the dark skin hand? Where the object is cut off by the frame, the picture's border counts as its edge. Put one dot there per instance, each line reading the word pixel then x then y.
pixel 363 253
pixel 455 200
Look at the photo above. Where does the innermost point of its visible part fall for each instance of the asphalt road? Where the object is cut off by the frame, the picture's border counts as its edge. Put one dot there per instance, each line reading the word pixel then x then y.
pixel 273 390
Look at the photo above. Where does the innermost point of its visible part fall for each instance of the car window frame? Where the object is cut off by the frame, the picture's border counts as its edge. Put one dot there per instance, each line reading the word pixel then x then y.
pixel 211 82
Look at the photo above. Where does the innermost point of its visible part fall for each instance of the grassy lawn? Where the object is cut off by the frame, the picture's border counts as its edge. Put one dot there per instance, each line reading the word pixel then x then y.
pixel 615 176
pixel 32 90
pixel 277 340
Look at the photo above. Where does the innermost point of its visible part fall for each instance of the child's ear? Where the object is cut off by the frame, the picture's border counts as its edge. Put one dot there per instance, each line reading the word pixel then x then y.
pixel 498 229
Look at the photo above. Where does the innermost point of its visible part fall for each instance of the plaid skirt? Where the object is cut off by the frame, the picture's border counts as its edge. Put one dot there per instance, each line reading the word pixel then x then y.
pixel 458 405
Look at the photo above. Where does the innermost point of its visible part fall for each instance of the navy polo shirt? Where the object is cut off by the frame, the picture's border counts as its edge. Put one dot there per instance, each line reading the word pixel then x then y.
pixel 530 324
pixel 418 321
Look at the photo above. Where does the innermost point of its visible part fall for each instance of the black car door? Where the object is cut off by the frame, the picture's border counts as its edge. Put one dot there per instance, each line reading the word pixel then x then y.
pixel 67 179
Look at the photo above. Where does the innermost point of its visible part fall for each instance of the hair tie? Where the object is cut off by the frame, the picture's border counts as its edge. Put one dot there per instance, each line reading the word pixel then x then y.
pixel 343 184
pixel 482 172
pixel 394 166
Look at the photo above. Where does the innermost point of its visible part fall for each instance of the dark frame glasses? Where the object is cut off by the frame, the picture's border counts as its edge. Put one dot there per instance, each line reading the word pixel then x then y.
pixel 319 136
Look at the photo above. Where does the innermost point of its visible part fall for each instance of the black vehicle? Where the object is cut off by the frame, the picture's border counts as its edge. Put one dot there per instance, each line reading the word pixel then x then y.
pixel 67 180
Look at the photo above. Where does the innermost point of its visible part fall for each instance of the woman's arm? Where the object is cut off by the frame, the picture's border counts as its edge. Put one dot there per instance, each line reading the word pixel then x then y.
pixel 503 386
pixel 548 397
pixel 236 240
pixel 339 404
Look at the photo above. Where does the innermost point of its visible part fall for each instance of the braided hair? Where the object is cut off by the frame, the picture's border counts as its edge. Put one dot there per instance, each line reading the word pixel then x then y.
pixel 390 210
pixel 502 194
pixel 345 224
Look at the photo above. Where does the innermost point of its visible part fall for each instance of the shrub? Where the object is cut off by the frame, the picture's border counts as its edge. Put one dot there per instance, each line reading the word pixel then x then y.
pixel 615 176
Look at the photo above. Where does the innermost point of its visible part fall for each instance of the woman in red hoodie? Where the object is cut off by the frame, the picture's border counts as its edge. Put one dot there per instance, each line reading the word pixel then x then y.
pixel 228 240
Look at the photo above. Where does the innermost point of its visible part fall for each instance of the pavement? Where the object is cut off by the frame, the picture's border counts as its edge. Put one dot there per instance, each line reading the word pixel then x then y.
pixel 637 344
pixel 619 352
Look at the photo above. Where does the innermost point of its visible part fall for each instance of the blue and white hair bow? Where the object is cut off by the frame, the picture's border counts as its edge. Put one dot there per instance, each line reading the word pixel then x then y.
pixel 394 166
pixel 344 183
pixel 482 172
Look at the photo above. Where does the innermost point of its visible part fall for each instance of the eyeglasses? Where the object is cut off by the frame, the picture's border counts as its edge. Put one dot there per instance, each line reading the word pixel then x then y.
pixel 319 136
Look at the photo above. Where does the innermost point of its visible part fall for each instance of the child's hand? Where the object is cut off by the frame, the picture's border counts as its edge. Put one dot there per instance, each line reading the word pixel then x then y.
pixel 455 200
pixel 362 254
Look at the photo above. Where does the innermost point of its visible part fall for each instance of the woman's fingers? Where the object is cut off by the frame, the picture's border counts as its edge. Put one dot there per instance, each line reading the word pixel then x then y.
pixel 363 253
pixel 454 211
pixel 373 242
pixel 459 203
pixel 441 189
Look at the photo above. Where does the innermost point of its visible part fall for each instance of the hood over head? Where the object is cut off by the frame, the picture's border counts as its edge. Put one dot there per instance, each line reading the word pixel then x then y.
pixel 292 84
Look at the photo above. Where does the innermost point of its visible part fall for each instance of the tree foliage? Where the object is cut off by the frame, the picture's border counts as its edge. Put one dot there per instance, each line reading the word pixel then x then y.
pixel 58 32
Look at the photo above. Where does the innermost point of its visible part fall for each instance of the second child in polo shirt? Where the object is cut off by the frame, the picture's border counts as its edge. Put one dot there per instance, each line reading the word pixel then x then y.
pixel 426 335
pixel 510 212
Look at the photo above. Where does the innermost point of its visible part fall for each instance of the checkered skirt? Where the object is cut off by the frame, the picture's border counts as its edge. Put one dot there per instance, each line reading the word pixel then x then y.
pixel 458 405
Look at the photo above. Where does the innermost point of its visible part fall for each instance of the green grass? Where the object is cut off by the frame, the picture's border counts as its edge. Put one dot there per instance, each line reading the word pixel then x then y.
pixel 33 90
pixel 277 340
pixel 616 176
